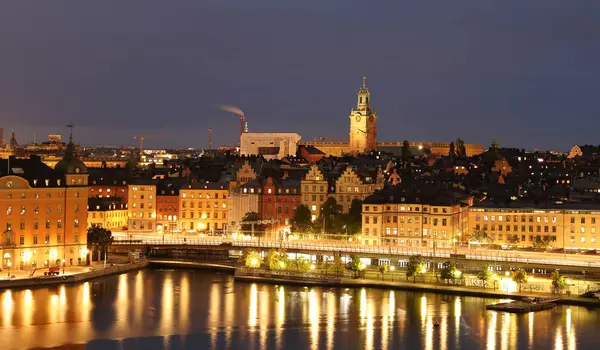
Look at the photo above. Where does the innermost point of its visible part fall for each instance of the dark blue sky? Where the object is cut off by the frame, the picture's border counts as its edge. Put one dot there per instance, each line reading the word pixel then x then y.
pixel 525 72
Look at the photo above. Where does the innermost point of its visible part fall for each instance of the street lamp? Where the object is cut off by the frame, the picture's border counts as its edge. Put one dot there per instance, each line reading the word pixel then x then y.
pixel 9 265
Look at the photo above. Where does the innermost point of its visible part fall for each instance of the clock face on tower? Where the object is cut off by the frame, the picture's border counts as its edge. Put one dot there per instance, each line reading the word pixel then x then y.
pixel 371 118
pixel 357 118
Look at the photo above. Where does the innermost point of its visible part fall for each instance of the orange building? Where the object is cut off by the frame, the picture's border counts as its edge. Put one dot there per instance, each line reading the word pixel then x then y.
pixel 44 212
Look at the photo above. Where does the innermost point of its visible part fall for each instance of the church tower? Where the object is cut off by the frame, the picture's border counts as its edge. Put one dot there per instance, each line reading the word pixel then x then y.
pixel 363 122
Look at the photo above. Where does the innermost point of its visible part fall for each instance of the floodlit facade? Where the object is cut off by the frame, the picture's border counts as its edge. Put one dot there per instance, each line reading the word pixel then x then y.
pixel 203 207
pixel 269 145
pixel 141 205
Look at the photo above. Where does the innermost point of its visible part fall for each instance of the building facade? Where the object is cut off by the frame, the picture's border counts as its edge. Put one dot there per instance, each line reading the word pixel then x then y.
pixel 44 213
pixel 110 214
pixel 571 226
pixel 392 217
pixel 167 207
pixel 269 145
pixel 141 206
pixel 314 191
pixel 349 186
pixel 278 203
pixel 203 207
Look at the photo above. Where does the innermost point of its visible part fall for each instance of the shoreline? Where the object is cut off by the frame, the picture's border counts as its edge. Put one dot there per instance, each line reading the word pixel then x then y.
pixel 48 281
pixel 415 287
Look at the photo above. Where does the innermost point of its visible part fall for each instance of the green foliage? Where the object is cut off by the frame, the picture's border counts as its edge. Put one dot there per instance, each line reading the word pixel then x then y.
pixel 512 239
pixel 541 242
pixel 99 238
pixel 353 220
pixel 355 265
pixel 558 282
pixel 480 237
pixel 520 277
pixel 252 216
pixel 484 275
pixel 338 266
pixel 301 264
pixel 301 222
pixel 331 216
pixel 384 268
pixel 448 271
pixel 415 266
pixel 253 259
pixel 277 259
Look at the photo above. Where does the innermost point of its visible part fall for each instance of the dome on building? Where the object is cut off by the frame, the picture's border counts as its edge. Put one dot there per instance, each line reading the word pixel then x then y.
pixel 70 164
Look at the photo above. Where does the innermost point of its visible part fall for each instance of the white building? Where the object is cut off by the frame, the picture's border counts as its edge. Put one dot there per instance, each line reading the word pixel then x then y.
pixel 269 145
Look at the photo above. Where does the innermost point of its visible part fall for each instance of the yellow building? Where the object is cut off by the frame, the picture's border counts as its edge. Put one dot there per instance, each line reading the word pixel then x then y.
pixel 141 206
pixel 203 207
pixel 395 217
pixel 363 122
pixel 350 185
pixel 110 214
pixel 43 212
pixel 550 224
pixel 314 191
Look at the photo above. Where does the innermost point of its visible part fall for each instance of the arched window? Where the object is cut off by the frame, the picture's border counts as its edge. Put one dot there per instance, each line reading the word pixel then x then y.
pixel 360 99
pixel 367 100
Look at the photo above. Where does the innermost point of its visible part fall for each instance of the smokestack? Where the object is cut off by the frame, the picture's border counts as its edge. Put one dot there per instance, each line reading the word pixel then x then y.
pixel 210 138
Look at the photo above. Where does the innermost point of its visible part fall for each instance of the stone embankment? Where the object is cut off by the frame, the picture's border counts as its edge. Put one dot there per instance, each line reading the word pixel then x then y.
pixel 44 281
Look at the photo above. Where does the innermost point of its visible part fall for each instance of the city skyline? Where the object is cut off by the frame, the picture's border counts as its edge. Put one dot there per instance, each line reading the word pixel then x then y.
pixel 509 71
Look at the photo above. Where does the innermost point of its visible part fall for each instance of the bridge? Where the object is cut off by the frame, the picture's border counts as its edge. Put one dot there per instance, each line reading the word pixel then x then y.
pixel 220 247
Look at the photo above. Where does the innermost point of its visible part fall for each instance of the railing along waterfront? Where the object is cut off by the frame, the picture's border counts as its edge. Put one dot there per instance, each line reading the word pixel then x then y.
pixel 328 246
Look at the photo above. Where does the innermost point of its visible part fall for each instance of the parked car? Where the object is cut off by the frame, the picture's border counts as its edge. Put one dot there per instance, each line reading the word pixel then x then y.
pixel 54 270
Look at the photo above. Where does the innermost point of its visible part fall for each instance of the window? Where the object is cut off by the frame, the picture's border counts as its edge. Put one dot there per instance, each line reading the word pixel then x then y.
pixel 22 209
pixel 35 239
pixel 582 239
pixel 47 223
pixel 59 224
pixel 36 209
pixel 59 237
pixel 21 240
pixel 9 210
pixel 76 208
pixel 445 220
pixel 47 239
pixel 76 223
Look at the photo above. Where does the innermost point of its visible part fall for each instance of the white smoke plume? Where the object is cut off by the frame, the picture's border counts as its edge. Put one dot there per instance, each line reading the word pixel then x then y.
pixel 232 109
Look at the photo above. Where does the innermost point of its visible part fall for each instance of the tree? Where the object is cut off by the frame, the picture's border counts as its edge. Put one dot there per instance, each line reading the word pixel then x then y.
pixel 331 214
pixel 338 266
pixel 383 269
pixel 415 266
pixel 558 282
pixel 512 239
pixel 353 220
pixel 302 220
pixel 250 217
pixel 448 271
pixel 253 259
pixel 541 242
pixel 461 151
pixel 484 275
pixel 405 151
pixel 356 265
pixel 520 277
pixel 480 237
pixel 302 265
pixel 452 152
pixel 98 240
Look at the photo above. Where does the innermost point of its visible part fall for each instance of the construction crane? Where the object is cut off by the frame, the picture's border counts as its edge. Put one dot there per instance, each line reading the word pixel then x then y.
pixel 142 138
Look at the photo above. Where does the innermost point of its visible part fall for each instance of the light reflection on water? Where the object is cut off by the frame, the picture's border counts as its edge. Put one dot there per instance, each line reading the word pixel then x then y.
pixel 193 309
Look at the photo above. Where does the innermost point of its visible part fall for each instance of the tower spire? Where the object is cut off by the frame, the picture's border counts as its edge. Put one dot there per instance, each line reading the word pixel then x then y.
pixel 364 82
pixel 70 126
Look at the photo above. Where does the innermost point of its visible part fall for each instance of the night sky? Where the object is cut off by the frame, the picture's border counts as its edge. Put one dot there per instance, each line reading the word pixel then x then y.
pixel 524 72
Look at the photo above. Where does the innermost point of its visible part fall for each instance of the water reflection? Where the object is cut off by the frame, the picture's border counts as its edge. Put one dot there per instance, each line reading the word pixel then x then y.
pixel 202 310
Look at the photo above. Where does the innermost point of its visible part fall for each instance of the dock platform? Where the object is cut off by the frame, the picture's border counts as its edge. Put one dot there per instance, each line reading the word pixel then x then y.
pixel 523 306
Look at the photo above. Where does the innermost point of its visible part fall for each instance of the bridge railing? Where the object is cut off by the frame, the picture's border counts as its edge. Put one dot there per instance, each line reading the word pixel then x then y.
pixel 349 248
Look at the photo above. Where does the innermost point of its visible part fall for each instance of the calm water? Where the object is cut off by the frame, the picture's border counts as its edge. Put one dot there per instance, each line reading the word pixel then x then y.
pixel 156 309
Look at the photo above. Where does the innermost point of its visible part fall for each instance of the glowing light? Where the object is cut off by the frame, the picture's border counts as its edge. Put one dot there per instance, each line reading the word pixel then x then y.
pixel 312 267
pixel 282 264
pixel 507 274
pixel 423 270
pixel 457 273
pixel 253 307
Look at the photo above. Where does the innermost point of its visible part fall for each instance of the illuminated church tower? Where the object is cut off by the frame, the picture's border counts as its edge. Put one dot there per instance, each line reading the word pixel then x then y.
pixel 363 122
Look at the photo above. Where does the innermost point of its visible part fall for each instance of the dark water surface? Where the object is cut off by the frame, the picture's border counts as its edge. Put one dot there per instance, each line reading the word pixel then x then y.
pixel 157 309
